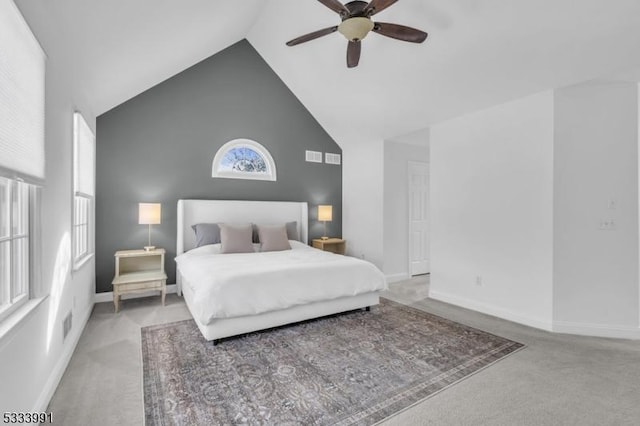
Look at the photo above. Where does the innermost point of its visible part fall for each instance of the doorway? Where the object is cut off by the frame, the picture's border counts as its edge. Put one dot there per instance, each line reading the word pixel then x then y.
pixel 418 174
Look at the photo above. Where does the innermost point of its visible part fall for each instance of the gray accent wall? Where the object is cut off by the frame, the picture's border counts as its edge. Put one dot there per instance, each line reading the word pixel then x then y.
pixel 159 147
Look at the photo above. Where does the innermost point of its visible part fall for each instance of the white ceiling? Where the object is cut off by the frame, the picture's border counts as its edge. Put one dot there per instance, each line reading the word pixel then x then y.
pixel 124 47
pixel 479 52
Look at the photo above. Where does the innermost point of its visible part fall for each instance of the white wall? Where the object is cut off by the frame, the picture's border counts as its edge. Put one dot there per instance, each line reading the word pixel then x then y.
pixel 33 355
pixel 396 205
pixel 596 163
pixel 491 210
pixel 362 198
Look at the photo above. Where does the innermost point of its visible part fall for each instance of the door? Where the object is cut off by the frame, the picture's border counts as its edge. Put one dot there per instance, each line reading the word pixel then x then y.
pixel 418 217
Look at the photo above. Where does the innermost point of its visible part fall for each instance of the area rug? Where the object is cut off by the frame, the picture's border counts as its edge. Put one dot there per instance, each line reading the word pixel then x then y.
pixel 349 369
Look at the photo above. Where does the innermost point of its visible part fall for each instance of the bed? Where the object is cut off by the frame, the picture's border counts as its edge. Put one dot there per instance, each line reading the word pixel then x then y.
pixel 233 294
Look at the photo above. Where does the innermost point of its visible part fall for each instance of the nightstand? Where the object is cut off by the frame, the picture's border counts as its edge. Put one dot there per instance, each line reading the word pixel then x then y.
pixel 139 271
pixel 334 245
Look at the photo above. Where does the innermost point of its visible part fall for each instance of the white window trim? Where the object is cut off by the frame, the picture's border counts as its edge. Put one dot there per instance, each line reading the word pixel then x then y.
pixel 23 148
pixel 79 262
pixel 11 324
pixel 21 300
pixel 244 143
pixel 77 265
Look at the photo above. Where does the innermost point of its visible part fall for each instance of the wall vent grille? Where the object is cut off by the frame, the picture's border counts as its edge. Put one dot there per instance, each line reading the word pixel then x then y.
pixel 330 158
pixel 66 325
pixel 313 156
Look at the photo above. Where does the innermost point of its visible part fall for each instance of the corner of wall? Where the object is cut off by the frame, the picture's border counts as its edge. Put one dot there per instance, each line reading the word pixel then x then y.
pixel 362 199
pixel 491 210
pixel 596 131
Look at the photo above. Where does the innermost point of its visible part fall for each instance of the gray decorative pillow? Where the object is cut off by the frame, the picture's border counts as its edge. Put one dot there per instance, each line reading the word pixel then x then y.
pixel 291 227
pixel 273 238
pixel 235 238
pixel 292 231
pixel 206 233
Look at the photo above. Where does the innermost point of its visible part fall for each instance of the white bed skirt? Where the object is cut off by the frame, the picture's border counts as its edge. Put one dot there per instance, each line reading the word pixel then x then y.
pixel 227 327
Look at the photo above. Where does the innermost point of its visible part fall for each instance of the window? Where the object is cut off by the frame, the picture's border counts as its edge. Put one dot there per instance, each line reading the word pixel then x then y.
pixel 81 212
pixel 14 244
pixel 22 67
pixel 243 159
pixel 22 154
pixel 84 188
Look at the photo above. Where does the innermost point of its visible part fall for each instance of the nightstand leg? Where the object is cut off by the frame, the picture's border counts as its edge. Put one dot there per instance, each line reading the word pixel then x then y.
pixel 116 300
pixel 164 292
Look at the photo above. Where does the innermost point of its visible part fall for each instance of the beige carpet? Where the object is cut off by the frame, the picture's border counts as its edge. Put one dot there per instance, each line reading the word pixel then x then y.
pixel 558 380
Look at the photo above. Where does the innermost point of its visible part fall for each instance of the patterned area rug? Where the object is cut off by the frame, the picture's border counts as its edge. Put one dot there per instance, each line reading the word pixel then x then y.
pixel 350 369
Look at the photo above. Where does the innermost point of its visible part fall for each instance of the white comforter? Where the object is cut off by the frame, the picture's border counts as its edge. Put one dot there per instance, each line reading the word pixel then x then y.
pixel 231 285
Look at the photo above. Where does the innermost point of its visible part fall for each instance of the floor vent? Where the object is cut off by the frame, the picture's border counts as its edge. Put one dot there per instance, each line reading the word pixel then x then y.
pixel 66 325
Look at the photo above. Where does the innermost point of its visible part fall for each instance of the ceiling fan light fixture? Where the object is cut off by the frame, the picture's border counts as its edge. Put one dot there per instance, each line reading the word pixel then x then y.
pixel 355 28
pixel 356 24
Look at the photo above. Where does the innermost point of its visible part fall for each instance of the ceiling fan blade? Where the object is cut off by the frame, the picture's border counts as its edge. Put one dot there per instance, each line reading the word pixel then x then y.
pixel 400 32
pixel 353 53
pixel 312 36
pixel 336 6
pixel 377 6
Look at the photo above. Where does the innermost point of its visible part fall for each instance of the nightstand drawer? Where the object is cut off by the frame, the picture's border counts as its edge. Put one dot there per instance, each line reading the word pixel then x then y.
pixel 334 245
pixel 141 286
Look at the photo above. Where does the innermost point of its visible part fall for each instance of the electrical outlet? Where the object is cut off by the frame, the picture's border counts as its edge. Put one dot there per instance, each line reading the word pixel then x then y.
pixel 479 280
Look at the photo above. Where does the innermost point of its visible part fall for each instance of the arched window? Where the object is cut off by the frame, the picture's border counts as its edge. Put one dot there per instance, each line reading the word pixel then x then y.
pixel 243 159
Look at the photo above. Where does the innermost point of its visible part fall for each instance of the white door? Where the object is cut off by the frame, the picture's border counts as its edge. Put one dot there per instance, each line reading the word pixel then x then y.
pixel 418 219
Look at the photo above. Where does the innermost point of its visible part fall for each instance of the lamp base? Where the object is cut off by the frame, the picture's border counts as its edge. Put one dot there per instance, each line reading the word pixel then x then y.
pixel 149 248
pixel 324 238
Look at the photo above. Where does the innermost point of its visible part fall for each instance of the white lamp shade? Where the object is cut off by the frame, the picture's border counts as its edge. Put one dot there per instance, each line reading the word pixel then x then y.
pixel 325 213
pixel 149 213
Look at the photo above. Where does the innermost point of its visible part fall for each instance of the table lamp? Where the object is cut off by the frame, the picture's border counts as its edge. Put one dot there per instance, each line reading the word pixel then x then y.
pixel 325 214
pixel 149 214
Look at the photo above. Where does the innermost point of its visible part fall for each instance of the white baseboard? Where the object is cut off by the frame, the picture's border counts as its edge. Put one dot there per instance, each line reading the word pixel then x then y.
pixel 58 370
pixel 56 374
pixel 394 278
pixel 598 330
pixel 108 296
pixel 491 310
pixel 581 329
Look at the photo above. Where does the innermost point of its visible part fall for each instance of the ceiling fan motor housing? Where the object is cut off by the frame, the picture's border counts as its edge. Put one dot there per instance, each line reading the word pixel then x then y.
pixel 356 8
pixel 356 25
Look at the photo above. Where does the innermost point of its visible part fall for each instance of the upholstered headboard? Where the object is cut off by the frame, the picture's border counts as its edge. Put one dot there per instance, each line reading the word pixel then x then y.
pixel 191 212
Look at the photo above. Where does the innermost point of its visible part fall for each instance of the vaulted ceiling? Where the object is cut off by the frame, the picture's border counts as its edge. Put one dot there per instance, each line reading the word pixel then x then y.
pixel 479 52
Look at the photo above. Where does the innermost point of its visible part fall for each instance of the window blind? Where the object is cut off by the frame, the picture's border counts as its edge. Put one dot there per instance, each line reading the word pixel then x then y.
pixel 84 143
pixel 22 80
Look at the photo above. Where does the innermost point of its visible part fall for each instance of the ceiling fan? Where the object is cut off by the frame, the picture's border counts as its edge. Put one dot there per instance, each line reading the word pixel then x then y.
pixel 357 23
